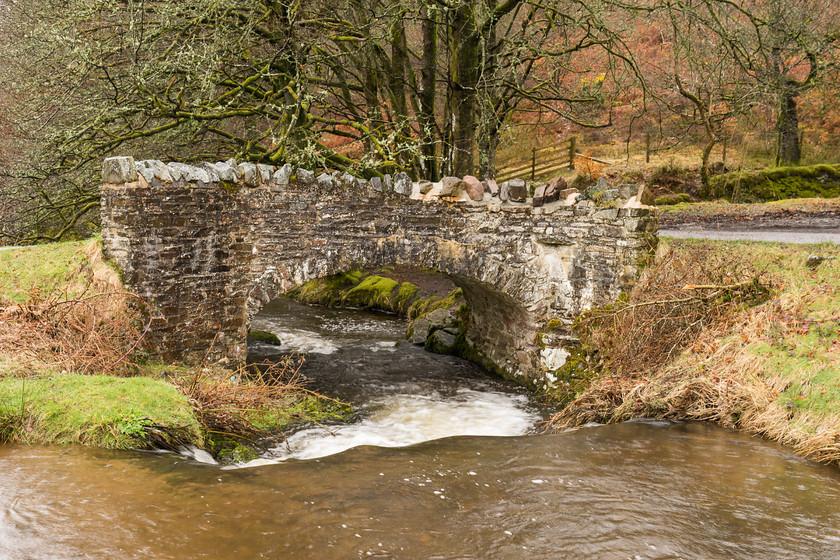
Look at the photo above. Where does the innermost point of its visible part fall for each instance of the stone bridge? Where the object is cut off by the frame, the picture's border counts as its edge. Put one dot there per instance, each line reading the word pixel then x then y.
pixel 209 245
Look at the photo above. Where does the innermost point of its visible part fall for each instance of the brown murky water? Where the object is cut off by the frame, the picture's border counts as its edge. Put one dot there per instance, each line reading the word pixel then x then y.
pixel 626 491
pixel 636 490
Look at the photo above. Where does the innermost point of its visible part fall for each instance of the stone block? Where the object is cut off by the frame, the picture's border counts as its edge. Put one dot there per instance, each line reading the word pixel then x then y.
pixel 517 190
pixel 119 170
pixel 402 184
pixel 189 173
pixel 425 186
pixel 282 176
pixel 305 176
pixel 554 191
pixel 152 169
pixel 492 187
pixel 503 191
pixel 249 174
pixel 228 171
pixel 474 188
pixel 265 172
pixel 376 183
pixel 627 190
pixel 211 171
pixel 539 195
pixel 644 196
pixel 387 183
pixel 451 186
pixel 347 180
pixel 325 181
pixel 607 214
pixel 441 341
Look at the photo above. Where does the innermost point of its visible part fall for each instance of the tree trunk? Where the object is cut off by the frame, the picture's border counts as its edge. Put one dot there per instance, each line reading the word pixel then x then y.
pixel 488 143
pixel 704 159
pixel 399 60
pixel 428 84
pixel 789 151
pixel 464 61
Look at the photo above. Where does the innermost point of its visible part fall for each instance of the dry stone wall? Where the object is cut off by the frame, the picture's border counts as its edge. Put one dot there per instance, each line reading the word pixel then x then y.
pixel 208 245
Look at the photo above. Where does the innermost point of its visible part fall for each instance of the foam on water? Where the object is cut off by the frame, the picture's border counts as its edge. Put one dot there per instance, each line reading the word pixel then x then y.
pixel 298 340
pixel 399 420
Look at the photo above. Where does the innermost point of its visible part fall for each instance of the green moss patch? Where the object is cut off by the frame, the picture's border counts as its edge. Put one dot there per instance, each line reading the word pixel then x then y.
pixel 95 410
pixel 374 292
pixel 816 181
pixel 328 290
pixel 672 199
pixel 424 306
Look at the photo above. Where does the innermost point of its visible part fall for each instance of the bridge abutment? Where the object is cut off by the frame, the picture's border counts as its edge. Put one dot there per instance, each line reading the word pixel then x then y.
pixel 208 246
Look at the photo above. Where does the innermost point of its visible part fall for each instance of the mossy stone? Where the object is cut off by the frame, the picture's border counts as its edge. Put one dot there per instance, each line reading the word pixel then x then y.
pixel 816 181
pixel 373 292
pixel 265 337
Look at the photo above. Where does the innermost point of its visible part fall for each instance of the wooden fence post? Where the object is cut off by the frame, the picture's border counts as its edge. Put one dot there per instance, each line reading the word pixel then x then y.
pixel 647 147
pixel 572 151
pixel 533 162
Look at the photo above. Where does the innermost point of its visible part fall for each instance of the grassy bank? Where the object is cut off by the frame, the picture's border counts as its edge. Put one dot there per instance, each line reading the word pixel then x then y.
pixel 96 410
pixel 73 370
pixel 743 334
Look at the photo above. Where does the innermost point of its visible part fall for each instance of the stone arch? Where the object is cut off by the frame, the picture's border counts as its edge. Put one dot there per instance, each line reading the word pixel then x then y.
pixel 501 329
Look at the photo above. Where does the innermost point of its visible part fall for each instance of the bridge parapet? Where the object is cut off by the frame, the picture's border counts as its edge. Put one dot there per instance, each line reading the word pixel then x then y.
pixel 209 244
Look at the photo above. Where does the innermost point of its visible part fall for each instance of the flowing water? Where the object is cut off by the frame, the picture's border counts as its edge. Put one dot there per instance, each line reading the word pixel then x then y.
pixel 441 463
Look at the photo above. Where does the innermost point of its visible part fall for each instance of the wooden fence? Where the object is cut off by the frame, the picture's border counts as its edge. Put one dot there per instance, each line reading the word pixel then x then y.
pixel 544 163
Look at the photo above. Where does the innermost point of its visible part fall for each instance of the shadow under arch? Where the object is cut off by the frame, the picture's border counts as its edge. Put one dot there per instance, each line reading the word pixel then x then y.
pixel 498 329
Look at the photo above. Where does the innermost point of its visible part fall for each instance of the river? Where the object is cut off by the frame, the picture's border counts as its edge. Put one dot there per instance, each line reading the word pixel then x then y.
pixel 443 462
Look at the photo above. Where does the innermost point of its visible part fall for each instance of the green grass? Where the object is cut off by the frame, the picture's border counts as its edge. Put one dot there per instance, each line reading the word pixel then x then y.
pixel 39 268
pixel 95 410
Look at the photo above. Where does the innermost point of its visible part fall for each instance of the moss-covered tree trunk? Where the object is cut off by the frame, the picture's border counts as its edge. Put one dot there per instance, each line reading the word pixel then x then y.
pixel 789 151
pixel 464 60
pixel 428 84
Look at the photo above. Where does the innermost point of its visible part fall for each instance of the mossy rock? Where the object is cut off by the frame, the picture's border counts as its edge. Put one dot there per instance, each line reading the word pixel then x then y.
pixel 574 376
pixel 328 290
pixel 374 292
pixel 265 337
pixel 671 199
pixel 228 450
pixel 405 297
pixel 423 306
pixel 816 181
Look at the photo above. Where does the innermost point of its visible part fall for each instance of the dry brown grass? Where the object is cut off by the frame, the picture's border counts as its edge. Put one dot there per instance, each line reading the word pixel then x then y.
pixel 680 295
pixel 256 401
pixel 727 386
pixel 766 370
pixel 89 325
